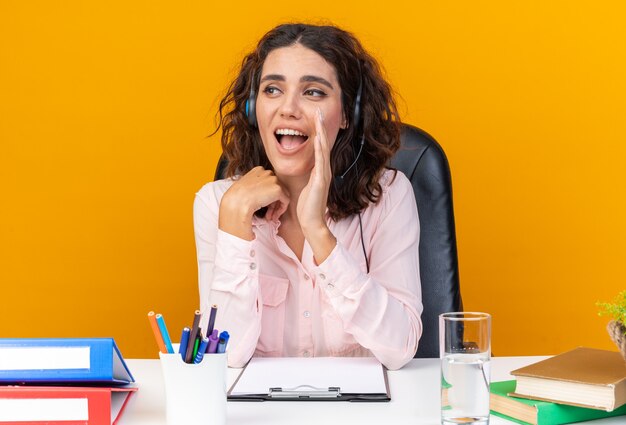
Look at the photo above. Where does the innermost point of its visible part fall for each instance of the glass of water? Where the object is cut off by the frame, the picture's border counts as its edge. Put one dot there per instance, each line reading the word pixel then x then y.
pixel 465 351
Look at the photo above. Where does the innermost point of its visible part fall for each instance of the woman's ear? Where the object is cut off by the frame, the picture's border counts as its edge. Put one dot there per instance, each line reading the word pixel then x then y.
pixel 344 121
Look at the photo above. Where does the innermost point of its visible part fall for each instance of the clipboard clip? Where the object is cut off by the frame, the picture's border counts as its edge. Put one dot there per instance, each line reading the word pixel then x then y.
pixel 305 391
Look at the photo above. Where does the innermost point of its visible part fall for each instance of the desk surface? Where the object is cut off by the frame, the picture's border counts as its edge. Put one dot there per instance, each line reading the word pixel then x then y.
pixel 414 394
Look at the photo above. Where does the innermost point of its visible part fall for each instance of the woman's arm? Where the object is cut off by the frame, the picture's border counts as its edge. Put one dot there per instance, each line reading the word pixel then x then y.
pixel 225 243
pixel 381 309
pixel 228 276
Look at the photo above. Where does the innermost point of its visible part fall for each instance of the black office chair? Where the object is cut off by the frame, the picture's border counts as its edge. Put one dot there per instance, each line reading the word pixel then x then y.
pixel 425 164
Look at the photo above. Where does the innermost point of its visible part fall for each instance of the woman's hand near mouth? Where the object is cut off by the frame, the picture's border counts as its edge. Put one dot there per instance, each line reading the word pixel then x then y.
pixel 313 198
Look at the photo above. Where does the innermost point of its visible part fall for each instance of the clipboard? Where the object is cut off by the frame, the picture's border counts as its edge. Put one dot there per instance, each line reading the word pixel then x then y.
pixel 356 379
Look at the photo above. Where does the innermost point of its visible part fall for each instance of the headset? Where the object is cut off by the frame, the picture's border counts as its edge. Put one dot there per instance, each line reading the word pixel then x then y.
pixel 251 104
pixel 356 119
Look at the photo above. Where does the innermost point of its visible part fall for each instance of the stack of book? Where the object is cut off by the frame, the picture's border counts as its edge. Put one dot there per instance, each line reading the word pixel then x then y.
pixel 46 380
pixel 578 385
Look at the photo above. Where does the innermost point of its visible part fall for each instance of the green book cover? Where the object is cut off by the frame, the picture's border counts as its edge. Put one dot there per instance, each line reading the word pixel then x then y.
pixel 540 412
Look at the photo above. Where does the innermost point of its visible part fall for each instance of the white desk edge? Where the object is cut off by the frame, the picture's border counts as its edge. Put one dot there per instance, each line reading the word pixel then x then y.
pixel 414 392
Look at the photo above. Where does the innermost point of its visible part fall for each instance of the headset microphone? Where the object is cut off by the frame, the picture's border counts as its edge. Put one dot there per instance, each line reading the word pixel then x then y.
pixel 338 180
pixel 356 120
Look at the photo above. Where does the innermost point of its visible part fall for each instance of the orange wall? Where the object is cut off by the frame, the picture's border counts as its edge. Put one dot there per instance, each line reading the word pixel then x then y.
pixel 104 109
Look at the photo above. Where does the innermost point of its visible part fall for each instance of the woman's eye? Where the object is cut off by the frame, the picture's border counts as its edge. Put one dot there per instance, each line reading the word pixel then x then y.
pixel 271 90
pixel 314 93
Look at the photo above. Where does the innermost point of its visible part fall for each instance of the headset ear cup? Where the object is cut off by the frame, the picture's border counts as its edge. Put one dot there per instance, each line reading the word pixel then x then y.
pixel 251 105
pixel 251 111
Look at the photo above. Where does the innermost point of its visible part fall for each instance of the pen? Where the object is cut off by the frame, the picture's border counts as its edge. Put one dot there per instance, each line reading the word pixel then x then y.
pixel 166 335
pixel 184 339
pixel 157 332
pixel 196 345
pixel 213 341
pixel 215 334
pixel 221 346
pixel 203 345
pixel 209 329
pixel 192 337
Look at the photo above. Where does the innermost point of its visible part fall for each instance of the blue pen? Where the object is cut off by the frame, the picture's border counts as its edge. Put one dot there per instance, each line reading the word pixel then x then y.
pixel 203 345
pixel 164 333
pixel 184 339
pixel 221 346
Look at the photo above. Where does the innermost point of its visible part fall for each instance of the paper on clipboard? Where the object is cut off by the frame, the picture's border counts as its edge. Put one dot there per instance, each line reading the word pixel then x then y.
pixel 352 375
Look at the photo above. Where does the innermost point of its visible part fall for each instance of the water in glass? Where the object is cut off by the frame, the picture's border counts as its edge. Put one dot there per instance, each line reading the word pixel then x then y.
pixel 465 388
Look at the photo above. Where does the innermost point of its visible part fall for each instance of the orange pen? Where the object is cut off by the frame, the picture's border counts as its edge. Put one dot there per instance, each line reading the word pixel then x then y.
pixel 157 332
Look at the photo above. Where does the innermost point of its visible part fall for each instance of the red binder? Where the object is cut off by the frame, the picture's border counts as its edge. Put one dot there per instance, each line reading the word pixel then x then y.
pixel 20 405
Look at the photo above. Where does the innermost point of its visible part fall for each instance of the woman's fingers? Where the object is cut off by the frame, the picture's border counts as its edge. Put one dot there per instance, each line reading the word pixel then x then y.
pixel 260 188
pixel 269 214
pixel 323 165
pixel 281 207
pixel 322 129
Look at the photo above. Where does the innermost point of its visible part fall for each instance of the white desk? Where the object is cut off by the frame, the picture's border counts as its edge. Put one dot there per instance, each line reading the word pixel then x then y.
pixel 414 399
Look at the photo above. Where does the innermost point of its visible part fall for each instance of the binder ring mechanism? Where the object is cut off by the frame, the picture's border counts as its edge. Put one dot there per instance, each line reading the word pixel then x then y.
pixel 305 391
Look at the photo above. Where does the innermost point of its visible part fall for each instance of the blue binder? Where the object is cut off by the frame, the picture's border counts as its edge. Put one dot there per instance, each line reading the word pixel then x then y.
pixel 58 360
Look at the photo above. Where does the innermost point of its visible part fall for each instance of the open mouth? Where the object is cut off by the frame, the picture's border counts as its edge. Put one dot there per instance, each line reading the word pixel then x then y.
pixel 290 139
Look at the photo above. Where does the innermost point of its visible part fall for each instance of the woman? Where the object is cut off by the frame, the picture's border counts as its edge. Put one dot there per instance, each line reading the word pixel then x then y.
pixel 310 247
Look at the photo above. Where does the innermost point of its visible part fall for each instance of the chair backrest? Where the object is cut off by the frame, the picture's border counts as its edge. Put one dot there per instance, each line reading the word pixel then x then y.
pixel 425 164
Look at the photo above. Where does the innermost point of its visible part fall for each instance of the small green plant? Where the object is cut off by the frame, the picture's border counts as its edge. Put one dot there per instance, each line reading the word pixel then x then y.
pixel 616 309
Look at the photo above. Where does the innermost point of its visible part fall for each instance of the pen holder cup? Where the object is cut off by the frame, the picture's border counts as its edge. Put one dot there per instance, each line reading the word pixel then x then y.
pixel 195 393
